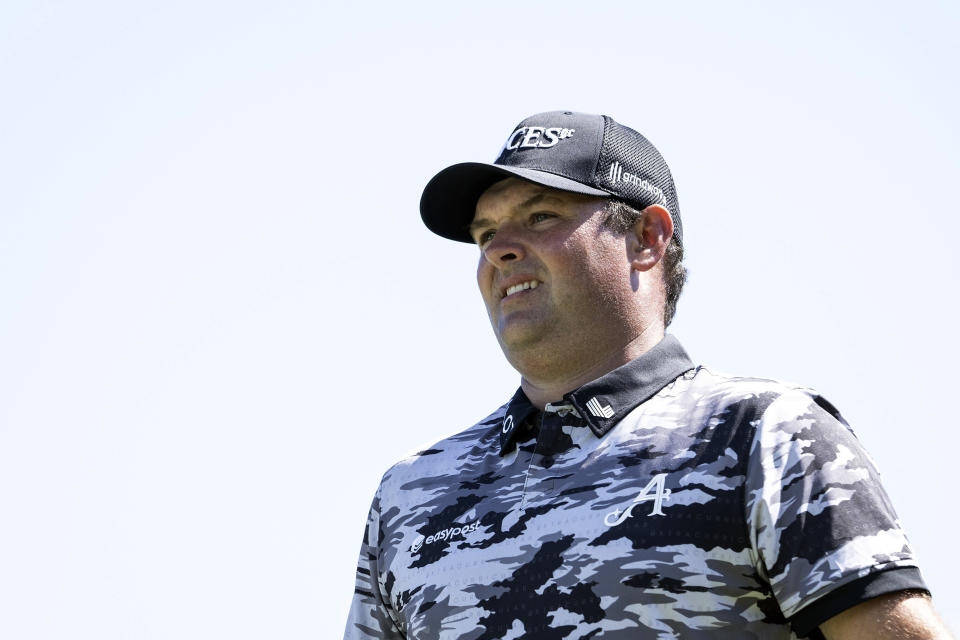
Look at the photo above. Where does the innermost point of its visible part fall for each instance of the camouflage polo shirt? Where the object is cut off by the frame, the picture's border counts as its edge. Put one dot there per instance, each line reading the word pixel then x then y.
pixel 663 500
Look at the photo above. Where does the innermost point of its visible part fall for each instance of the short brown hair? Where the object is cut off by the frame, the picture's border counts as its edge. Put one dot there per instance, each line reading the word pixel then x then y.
pixel 620 217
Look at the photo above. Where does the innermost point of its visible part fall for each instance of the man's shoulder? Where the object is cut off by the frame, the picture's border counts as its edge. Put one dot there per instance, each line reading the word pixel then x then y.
pixel 712 381
pixel 452 452
pixel 745 400
pixel 710 387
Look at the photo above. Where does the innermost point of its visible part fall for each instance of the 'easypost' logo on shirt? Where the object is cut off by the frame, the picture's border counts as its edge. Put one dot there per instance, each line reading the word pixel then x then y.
pixel 445 534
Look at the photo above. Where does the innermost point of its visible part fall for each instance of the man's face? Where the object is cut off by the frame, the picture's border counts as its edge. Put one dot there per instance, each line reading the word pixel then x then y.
pixel 556 282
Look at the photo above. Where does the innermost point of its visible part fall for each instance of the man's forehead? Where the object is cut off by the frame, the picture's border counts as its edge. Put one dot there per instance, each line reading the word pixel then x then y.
pixel 517 193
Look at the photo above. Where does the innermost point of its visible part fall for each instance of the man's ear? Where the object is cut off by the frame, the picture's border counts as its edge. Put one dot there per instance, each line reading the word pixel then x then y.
pixel 649 237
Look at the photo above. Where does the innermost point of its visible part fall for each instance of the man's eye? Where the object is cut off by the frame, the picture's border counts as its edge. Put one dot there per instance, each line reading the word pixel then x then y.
pixel 540 217
pixel 485 237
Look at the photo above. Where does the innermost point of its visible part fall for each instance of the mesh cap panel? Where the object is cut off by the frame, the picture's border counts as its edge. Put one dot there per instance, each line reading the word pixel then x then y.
pixel 632 168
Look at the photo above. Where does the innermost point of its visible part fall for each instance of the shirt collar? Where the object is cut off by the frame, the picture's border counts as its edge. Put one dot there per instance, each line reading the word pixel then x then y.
pixel 519 409
pixel 605 401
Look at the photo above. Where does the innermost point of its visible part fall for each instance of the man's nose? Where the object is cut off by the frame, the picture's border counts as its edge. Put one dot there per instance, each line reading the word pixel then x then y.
pixel 505 247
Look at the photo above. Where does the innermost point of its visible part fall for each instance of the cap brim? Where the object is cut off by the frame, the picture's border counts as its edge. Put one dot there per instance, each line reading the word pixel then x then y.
pixel 449 200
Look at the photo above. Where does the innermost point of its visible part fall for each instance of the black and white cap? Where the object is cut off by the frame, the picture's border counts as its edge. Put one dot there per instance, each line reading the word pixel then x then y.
pixel 579 152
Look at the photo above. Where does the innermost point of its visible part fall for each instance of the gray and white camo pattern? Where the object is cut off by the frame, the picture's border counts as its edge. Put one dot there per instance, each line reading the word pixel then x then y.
pixel 768 503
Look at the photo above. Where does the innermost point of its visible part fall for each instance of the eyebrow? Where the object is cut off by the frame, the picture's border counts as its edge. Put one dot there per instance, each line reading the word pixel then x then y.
pixel 533 200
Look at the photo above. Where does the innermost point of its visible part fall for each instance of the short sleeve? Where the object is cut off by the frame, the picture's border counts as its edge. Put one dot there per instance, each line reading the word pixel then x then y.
pixel 819 518
pixel 370 616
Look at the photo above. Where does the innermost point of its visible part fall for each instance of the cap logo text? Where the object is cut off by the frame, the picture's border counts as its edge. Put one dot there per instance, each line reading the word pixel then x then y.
pixel 536 137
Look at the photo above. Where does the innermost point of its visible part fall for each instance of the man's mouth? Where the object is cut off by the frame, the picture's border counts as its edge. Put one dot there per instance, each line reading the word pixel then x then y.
pixel 523 286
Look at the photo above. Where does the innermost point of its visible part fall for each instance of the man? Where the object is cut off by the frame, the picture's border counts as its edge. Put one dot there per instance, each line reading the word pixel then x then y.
pixel 623 492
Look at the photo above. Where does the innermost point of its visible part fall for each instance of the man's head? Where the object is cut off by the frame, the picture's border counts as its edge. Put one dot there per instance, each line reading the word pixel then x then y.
pixel 575 208
pixel 562 280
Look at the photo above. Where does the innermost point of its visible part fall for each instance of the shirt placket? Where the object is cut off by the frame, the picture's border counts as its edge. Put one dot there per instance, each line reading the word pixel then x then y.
pixel 540 483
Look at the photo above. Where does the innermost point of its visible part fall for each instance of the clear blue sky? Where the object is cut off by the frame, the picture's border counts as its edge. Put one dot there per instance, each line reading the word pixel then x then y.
pixel 222 320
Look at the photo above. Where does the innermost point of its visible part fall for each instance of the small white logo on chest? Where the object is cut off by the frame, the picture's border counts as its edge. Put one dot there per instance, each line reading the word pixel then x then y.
pixel 599 410
pixel 654 492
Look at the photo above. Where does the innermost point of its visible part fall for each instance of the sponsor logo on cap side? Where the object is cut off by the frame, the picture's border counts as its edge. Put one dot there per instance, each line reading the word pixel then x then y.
pixel 617 174
pixel 536 138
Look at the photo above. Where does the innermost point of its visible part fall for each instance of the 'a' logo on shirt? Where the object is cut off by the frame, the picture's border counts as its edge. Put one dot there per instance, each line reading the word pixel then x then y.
pixel 654 492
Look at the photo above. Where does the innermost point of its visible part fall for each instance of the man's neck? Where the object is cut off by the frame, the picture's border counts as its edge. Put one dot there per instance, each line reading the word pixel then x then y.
pixel 544 390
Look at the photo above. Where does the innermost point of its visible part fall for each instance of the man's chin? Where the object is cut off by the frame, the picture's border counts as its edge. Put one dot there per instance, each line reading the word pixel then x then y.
pixel 521 341
pixel 516 333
